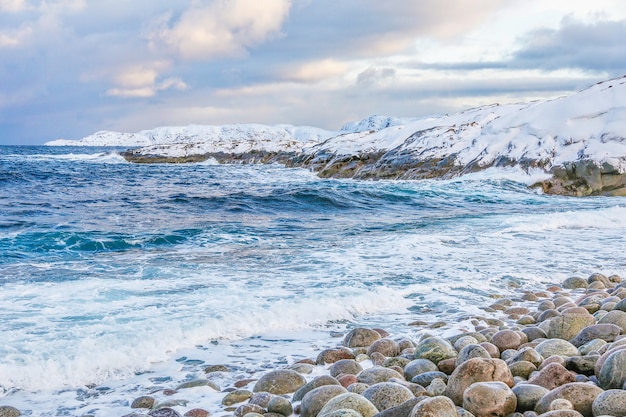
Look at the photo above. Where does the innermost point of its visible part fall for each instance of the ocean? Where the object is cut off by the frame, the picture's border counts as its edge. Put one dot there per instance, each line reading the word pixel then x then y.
pixel 119 279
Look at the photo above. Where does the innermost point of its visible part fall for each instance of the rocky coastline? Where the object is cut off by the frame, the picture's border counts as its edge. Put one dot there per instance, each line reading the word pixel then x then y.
pixel 579 179
pixel 558 352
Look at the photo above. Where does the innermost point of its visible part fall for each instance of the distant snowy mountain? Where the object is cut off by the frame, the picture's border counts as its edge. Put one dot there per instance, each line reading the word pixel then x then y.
pixel 580 140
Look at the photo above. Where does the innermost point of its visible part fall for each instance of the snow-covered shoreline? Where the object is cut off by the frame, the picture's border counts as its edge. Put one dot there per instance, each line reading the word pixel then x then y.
pixel 581 137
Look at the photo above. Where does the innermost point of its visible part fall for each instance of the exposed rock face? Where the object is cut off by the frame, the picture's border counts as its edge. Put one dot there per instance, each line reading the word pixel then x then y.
pixel 585 178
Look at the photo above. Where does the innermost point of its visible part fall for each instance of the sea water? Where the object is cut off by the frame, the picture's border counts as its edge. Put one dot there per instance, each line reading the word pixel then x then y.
pixel 118 279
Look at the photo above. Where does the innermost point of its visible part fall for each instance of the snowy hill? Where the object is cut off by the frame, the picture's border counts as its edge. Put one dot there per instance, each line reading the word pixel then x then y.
pixel 580 140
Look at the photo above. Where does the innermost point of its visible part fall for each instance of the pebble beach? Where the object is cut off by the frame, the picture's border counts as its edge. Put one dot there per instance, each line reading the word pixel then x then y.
pixel 559 351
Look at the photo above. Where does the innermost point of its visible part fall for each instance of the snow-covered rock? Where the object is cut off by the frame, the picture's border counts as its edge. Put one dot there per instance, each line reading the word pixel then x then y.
pixel 579 139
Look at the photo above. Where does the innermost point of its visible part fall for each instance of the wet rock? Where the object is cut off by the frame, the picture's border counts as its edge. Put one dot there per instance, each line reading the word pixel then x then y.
pixel 477 370
pixel 604 331
pixel 170 403
pixel 377 374
pixel 418 366
pixel 463 341
pixel 197 412
pixel 216 368
pixel 261 398
pixel 597 277
pixel 526 354
pixel 302 368
pixel 559 347
pixel 528 395
pixel 314 400
pixel 489 399
pixel 198 383
pixel 244 409
pixel 434 349
pixel 439 406
pixel 345 366
pixel 533 333
pixel 237 396
pixel 333 355
pixel 437 387
pixel 283 381
pixel 580 394
pixel 361 337
pixel 349 401
pixel 142 402
pixel 320 381
pixel 386 347
pixel 612 373
pixel 8 411
pixel 552 376
pixel 610 403
pixel 572 283
pixel 164 412
pixel 398 361
pixel 387 394
pixel 492 349
pixel 280 405
pixel 447 366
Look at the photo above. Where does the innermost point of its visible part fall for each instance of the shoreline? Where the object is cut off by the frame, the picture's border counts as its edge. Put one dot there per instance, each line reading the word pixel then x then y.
pixel 372 373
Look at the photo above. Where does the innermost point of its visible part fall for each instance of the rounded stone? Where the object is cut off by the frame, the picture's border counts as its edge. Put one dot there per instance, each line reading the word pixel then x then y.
pixel 314 400
pixel 616 317
pixel 592 346
pixel 197 412
pixel 261 398
pixel 572 283
pixel 552 376
pixel 8 411
pixel 522 369
pixel 143 402
pixel 361 337
pixel 569 324
pixel 418 366
pixel 377 374
pixel 396 361
pixel 612 373
pixel 385 395
pixel 534 333
pixel 559 347
pixel 244 409
pixel 580 394
pixel 282 381
pixel 610 403
pixel 438 406
pixel 350 401
pixel 343 412
pixel 506 339
pixel 492 349
pixel 436 387
pixel 597 277
pixel 463 341
pixel 357 387
pixel 528 395
pixel 387 347
pixel 164 412
pixel 345 366
pixel 424 379
pixel 471 351
pixel 527 354
pixel 347 380
pixel 320 381
pixel 198 383
pixel 434 349
pixel 604 331
pixel 562 413
pixel 237 396
pixel 477 370
pixel 280 405
pixel 489 399
pixel 333 355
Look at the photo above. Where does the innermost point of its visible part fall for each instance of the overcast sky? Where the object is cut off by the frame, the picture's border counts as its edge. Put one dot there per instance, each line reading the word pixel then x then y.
pixel 69 68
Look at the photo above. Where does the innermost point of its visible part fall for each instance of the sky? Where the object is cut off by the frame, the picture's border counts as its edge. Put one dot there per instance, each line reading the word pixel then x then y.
pixel 69 68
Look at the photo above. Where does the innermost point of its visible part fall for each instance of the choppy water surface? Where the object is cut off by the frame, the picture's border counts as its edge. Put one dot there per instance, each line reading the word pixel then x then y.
pixel 110 272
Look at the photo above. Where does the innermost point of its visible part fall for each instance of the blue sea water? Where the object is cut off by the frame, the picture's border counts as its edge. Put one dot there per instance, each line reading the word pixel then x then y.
pixel 116 277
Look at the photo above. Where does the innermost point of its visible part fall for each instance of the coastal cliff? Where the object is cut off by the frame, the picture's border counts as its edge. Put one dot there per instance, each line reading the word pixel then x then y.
pixel 578 141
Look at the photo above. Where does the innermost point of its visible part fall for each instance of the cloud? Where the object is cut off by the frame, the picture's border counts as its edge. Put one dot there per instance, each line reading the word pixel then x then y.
pixel 595 46
pixel 315 71
pixel 223 28
pixel 373 75
pixel 12 5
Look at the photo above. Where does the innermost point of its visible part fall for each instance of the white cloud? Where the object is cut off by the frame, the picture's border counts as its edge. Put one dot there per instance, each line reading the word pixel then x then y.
pixel 315 71
pixel 222 28
pixel 12 5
